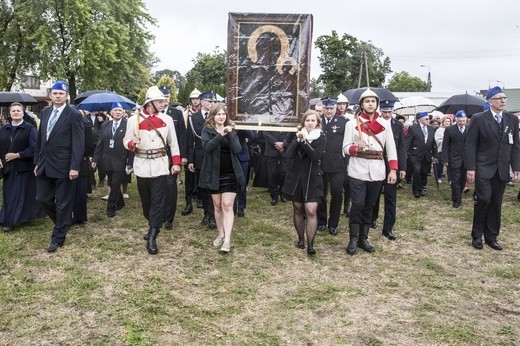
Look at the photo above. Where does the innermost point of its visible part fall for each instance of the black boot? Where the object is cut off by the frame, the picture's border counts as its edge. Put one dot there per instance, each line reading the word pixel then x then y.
pixel 147 236
pixel 363 239
pixel 151 245
pixel 354 236
pixel 188 209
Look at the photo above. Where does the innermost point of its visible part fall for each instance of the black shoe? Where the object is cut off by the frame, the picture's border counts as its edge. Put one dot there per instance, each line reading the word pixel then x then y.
pixel 211 222
pixel 477 243
pixel 311 251
pixel 151 245
pixel 321 228
pixel 389 234
pixel 199 203
pixel 7 229
pixel 282 198
pixel 333 230
pixel 101 183
pixel 168 224
pixel 494 245
pixel 346 211
pixel 300 244
pixel 53 247
pixel 187 210
pixel 417 195
pixel 240 212
pixel 205 220
pixel 274 201
pixel 456 204
pixel 373 224
pixel 111 214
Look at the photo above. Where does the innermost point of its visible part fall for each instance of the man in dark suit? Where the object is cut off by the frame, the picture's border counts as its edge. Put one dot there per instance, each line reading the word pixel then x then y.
pixel 453 151
pixel 422 149
pixel 196 153
pixel 390 190
pixel 96 120
pixel 58 154
pixel 492 148
pixel 114 156
pixel 333 165
pixel 170 208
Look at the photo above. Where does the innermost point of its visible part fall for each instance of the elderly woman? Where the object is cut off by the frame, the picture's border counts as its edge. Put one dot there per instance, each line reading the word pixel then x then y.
pixel 221 172
pixel 304 181
pixel 17 142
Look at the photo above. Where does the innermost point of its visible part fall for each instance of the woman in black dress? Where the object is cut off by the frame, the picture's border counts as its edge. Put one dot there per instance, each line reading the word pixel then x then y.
pixel 304 182
pixel 17 142
pixel 221 171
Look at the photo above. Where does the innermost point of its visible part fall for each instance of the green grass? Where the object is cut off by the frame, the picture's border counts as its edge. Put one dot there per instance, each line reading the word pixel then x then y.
pixel 429 287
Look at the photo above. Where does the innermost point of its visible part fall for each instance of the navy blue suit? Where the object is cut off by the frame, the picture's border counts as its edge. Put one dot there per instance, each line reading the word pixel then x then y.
pixel 55 157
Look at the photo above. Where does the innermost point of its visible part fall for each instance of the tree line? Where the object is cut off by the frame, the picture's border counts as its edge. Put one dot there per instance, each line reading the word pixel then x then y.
pixel 95 44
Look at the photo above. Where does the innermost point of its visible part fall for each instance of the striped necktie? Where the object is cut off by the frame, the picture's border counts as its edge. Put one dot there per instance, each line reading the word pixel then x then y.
pixel 52 121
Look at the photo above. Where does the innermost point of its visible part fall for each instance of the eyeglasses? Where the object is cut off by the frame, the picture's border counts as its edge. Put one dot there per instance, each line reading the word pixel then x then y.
pixel 498 98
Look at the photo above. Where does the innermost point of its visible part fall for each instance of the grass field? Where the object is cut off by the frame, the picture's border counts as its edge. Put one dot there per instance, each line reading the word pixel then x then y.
pixel 429 287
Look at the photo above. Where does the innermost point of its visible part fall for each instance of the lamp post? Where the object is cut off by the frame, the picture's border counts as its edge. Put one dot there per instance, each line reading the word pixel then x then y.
pixel 429 81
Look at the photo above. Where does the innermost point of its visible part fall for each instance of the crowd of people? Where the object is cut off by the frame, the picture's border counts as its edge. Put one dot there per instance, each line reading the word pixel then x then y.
pixel 354 153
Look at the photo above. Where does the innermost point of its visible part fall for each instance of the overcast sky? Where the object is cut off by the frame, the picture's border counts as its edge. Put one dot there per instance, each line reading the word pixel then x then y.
pixel 467 45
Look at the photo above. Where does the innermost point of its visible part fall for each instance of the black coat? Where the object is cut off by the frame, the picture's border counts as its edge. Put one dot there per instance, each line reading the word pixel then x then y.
pixel 180 130
pixel 487 150
pixel 18 139
pixel 397 130
pixel 271 137
pixel 90 147
pixel 416 148
pixel 210 171
pixel 193 139
pixel 333 160
pixel 117 158
pixel 63 151
pixel 305 168
pixel 453 146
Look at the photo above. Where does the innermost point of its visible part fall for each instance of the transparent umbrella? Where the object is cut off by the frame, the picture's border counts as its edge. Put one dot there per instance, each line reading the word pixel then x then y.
pixel 413 105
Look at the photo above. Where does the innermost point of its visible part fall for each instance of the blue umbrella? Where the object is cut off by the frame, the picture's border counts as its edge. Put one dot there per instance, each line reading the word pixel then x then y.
pixel 103 102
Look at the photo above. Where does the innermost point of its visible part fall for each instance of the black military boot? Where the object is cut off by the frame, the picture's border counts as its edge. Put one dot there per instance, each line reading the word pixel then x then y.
pixel 147 236
pixel 188 209
pixel 363 239
pixel 354 236
pixel 152 245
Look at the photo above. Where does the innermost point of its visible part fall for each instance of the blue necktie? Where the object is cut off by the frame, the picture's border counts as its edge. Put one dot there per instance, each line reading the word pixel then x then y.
pixel 114 128
pixel 52 122
pixel 425 132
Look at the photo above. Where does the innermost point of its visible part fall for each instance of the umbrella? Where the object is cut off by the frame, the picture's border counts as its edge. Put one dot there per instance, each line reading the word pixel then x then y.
pixel 314 101
pixel 353 95
pixel 469 103
pixel 103 102
pixel 6 98
pixel 78 99
pixel 413 105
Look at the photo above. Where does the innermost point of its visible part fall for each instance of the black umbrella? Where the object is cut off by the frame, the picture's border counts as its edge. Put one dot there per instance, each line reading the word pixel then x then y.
pixel 6 98
pixel 353 95
pixel 469 103
pixel 78 99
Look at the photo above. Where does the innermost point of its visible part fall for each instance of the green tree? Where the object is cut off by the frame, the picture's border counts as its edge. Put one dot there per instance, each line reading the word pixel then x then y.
pixel 404 82
pixel 342 61
pixel 94 44
pixel 209 72
pixel 177 77
pixel 317 88
pixel 17 52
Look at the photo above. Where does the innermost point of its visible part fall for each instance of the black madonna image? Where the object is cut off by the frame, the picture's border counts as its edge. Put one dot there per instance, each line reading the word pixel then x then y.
pixel 268 78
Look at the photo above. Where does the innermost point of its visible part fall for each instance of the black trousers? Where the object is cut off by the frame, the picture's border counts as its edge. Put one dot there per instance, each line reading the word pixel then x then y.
pixel 390 208
pixel 115 197
pixel 190 184
pixel 364 195
pixel 80 200
pixel 170 207
pixel 207 201
pixel 241 200
pixel 458 180
pixel 276 171
pixel 57 197
pixel 346 190
pixel 420 175
pixel 153 197
pixel 335 180
pixel 487 210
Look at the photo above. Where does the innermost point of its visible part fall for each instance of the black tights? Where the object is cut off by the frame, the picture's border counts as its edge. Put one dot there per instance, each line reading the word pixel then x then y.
pixel 304 211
